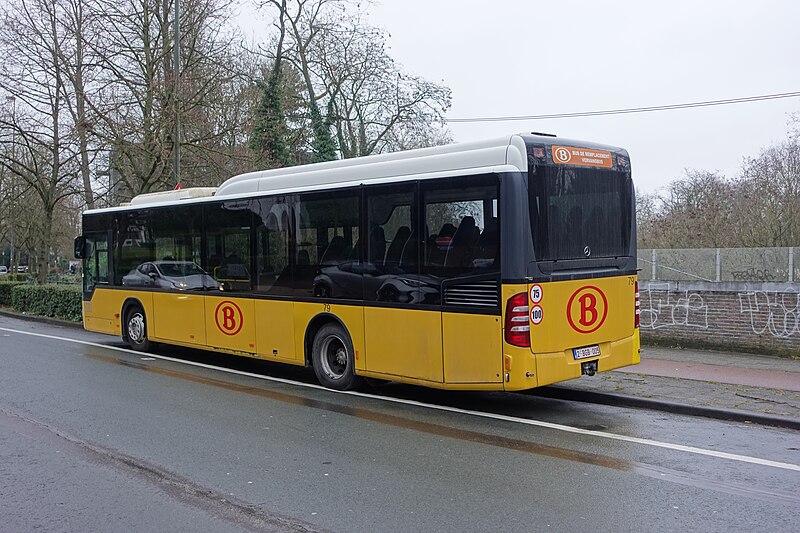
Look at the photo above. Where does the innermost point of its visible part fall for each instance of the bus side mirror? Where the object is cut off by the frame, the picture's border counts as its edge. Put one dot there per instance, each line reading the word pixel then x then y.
pixel 79 246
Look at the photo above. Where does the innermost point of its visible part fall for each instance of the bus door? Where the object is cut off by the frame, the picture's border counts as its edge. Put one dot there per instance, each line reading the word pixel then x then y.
pixel 96 255
pixel 462 254
pixel 229 261
pixel 402 318
pixel 170 264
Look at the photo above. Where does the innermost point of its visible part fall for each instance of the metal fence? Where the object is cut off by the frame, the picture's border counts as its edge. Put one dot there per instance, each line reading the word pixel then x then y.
pixel 720 264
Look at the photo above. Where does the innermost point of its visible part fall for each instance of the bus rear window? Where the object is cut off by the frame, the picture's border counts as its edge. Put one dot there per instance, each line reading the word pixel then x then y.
pixel 579 213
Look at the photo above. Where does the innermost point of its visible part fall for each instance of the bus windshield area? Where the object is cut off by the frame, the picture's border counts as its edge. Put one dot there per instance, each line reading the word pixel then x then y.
pixel 580 213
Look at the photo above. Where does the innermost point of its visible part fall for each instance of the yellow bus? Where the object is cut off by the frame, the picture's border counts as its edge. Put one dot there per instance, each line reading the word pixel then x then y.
pixel 505 264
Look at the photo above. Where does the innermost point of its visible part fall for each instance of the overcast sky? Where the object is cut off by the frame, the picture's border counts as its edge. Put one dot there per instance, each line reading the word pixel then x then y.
pixel 527 57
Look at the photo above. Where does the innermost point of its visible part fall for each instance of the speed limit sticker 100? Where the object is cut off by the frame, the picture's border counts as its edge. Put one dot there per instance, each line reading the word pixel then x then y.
pixel 536 314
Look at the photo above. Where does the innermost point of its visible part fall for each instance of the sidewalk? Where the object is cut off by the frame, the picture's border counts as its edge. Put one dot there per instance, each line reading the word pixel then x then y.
pixel 733 386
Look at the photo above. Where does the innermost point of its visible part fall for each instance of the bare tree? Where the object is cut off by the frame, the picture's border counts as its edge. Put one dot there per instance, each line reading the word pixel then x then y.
pixel 703 209
pixel 79 26
pixel 359 101
pixel 39 137
pixel 377 107
pixel 768 202
pixel 135 104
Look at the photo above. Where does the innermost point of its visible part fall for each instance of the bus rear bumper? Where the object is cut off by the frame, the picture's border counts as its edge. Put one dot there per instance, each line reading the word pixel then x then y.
pixel 555 367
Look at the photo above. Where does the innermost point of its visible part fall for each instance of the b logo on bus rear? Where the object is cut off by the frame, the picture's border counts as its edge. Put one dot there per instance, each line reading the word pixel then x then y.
pixel 587 309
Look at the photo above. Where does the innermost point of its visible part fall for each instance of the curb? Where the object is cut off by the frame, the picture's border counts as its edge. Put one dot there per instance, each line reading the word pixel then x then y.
pixel 619 400
pixel 45 319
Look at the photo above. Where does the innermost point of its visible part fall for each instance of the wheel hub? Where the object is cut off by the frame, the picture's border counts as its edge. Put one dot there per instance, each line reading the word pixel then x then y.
pixel 334 357
pixel 136 328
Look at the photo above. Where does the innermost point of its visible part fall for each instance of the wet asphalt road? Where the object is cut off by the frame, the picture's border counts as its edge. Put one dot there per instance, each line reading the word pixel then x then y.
pixel 98 439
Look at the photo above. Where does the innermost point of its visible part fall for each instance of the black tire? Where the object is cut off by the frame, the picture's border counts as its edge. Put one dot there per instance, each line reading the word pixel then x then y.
pixel 333 358
pixel 136 329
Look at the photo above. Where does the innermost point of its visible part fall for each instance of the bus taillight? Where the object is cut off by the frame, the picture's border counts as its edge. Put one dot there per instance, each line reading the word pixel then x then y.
pixel 517 327
pixel 638 309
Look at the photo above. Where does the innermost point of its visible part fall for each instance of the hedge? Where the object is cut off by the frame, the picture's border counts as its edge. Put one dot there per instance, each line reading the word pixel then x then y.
pixel 5 291
pixel 57 301
pixel 17 277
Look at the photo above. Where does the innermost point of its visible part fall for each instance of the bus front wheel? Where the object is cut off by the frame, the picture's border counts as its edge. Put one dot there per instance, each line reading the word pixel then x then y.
pixel 333 358
pixel 136 329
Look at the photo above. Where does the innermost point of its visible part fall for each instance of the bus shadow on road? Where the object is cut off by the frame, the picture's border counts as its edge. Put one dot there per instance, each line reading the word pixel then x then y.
pixel 525 405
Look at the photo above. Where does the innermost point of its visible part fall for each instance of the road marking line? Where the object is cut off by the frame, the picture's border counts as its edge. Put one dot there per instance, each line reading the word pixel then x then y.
pixel 505 418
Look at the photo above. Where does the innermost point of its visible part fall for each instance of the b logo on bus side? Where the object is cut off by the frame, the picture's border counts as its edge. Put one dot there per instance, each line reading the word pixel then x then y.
pixel 229 318
pixel 587 309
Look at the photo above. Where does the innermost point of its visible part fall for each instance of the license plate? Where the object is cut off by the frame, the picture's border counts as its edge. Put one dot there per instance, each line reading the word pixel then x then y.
pixel 586 351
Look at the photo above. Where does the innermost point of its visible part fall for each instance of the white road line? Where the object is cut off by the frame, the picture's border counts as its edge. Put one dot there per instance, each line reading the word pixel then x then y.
pixel 514 419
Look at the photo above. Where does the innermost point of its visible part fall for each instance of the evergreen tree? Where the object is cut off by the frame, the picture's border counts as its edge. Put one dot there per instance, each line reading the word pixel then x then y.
pixel 268 140
pixel 323 145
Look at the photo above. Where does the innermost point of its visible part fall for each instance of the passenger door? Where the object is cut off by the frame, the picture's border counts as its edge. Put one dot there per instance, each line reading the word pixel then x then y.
pixel 403 332
pixel 462 255
pixel 229 308
pixel 178 313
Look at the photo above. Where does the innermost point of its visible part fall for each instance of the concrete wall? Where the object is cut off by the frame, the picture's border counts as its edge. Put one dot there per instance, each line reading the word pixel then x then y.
pixel 753 317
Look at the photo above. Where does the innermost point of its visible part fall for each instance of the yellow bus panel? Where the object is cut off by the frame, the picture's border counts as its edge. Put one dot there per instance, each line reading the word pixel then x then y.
pixel 102 314
pixel 561 365
pixel 404 342
pixel 231 323
pixel 581 313
pixel 472 348
pixel 274 321
pixel 177 317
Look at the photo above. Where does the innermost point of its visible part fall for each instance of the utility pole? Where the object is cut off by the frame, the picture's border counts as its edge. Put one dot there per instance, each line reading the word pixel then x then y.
pixel 176 167
pixel 13 101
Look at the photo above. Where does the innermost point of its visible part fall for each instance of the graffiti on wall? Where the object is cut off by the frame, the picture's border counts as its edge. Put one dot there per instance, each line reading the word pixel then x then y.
pixel 757 274
pixel 661 308
pixel 776 313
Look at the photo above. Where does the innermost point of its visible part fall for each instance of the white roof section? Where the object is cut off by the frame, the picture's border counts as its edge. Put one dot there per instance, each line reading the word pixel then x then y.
pixel 505 152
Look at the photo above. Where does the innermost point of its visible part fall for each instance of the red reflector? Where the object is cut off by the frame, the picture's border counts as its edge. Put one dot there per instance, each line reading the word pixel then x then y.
pixel 636 316
pixel 518 330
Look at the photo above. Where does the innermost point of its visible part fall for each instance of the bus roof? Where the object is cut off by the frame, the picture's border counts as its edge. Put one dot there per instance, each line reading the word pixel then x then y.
pixel 503 154
pixel 499 152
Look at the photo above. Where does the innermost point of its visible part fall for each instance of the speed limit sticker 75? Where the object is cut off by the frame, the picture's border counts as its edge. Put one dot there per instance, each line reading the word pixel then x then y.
pixel 536 293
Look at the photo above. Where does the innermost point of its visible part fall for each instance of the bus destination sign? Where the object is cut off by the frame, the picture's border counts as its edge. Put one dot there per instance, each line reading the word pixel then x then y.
pixel 569 155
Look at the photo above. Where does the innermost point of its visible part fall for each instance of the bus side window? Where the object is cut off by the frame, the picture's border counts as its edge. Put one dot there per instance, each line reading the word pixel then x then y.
pixel 464 229
pixel 273 271
pixel 228 245
pixel 328 247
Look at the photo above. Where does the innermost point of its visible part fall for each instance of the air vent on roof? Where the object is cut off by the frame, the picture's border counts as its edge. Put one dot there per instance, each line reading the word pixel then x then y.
pixel 172 196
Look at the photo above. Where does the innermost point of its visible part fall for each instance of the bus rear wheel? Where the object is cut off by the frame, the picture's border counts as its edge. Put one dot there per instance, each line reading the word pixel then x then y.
pixel 333 358
pixel 136 329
